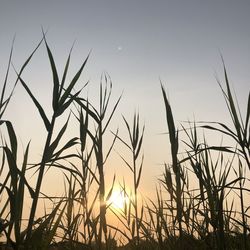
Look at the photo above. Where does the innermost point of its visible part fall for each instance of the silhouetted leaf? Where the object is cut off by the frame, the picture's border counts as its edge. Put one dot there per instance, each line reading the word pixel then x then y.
pixel 139 175
pixel 39 107
pixel 67 92
pixel 54 144
pixel 65 72
pixel 55 77
pixel 12 136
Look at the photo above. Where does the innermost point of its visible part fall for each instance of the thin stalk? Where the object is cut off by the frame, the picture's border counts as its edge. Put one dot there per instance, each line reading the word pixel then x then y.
pixel 173 137
pixel 100 165
pixel 135 199
pixel 39 180
pixel 242 209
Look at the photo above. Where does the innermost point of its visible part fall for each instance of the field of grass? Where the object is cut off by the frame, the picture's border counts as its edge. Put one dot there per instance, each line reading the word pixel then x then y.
pixel 200 201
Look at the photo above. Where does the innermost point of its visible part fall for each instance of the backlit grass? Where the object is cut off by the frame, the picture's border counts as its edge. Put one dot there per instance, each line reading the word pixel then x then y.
pixel 199 202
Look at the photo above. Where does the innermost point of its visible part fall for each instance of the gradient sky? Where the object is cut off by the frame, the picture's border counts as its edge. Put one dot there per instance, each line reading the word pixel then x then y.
pixel 137 42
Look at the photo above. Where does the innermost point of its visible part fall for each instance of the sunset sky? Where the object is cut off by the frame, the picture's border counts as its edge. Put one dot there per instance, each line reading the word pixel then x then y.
pixel 137 42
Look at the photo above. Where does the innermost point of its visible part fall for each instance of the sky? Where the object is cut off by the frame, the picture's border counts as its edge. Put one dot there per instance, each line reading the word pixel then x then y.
pixel 138 43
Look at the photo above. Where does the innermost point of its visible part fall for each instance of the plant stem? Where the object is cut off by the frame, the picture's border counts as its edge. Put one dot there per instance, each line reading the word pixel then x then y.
pixel 39 180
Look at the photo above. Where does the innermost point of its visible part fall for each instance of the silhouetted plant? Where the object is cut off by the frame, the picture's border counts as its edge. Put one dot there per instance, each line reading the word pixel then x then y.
pixel 195 203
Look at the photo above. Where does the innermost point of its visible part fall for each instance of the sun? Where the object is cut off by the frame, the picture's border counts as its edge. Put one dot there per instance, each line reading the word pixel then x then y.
pixel 118 200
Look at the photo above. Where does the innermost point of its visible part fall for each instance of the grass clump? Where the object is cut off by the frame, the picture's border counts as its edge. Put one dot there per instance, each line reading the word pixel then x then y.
pixel 199 201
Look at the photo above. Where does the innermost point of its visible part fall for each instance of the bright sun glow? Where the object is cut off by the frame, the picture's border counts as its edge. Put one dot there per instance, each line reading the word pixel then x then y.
pixel 118 200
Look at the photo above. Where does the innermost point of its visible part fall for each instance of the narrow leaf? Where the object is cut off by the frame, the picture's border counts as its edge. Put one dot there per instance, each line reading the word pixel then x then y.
pixel 39 107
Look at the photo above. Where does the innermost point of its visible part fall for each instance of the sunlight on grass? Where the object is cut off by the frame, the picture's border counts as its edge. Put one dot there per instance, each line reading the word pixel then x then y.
pixel 118 200
pixel 181 216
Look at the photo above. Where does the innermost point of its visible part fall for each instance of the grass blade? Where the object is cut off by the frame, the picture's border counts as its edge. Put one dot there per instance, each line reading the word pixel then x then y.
pixel 55 77
pixel 39 107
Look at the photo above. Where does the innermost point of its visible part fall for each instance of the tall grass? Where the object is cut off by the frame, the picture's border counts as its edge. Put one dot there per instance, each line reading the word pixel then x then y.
pixel 200 200
pixel 132 219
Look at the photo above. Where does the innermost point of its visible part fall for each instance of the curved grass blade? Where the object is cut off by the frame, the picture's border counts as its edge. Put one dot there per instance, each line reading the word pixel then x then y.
pixel 112 113
pixel 65 71
pixel 12 137
pixel 54 144
pixel 55 77
pixel 67 92
pixel 83 129
pixel 6 78
pixel 39 107
pixel 64 106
